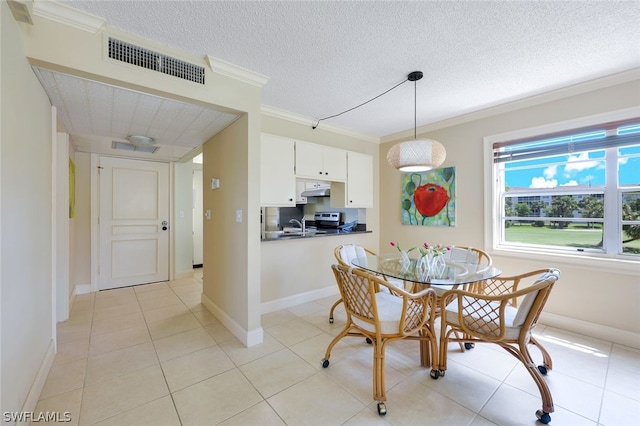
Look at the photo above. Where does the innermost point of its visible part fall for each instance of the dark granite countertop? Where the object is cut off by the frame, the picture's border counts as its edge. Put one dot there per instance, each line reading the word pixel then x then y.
pixel 322 233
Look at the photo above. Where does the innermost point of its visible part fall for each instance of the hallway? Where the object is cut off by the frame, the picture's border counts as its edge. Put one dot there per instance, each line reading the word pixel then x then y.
pixel 153 355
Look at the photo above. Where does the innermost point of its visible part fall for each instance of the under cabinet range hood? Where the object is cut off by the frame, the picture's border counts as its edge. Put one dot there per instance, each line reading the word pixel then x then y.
pixel 319 192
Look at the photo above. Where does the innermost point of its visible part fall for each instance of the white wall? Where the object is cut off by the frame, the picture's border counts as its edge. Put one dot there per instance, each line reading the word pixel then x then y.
pixel 26 315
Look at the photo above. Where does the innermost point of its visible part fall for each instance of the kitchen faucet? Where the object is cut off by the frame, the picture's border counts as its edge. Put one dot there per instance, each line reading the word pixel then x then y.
pixel 302 224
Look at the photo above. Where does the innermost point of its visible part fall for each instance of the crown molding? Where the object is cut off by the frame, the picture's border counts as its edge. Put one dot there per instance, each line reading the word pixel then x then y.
pixel 68 15
pixel 308 121
pixel 234 71
pixel 565 92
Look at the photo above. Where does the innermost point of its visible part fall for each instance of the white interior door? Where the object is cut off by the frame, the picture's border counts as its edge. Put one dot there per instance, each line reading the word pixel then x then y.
pixel 134 222
pixel 197 217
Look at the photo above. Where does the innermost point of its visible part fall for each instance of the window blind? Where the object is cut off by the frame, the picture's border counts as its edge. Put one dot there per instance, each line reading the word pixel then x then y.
pixel 578 140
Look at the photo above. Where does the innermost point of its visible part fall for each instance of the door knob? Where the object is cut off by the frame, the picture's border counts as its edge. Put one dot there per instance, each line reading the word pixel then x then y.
pixel 165 225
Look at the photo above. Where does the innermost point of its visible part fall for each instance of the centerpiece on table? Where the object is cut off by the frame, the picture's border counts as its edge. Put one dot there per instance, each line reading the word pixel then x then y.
pixel 432 258
pixel 405 262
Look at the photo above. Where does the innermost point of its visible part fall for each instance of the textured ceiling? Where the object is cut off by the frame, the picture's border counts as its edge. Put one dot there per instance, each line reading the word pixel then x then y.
pixel 323 57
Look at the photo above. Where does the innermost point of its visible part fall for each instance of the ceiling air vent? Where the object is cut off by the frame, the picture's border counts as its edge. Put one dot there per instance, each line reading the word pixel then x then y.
pixel 145 58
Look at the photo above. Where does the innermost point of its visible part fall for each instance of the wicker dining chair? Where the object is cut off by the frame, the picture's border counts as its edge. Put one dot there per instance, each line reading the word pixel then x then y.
pixel 491 315
pixel 344 254
pixel 383 318
pixel 470 255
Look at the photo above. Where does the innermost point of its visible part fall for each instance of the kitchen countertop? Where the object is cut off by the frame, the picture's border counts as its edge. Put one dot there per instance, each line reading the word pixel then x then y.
pixel 328 233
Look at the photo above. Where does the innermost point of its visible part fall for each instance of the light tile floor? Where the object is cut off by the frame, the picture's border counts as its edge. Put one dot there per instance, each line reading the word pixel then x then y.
pixel 153 355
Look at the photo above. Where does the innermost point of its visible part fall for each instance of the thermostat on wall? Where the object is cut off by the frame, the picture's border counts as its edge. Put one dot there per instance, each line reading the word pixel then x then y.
pixel 215 183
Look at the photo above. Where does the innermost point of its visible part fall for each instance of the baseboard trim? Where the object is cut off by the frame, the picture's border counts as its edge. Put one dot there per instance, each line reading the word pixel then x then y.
pixel 83 289
pixel 33 396
pixel 610 334
pixel 247 337
pixel 298 299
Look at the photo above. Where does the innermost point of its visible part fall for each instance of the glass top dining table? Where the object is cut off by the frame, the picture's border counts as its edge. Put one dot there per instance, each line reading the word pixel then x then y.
pixel 451 273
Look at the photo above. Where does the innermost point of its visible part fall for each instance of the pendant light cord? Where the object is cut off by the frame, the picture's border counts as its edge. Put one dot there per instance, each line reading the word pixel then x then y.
pixel 364 103
pixel 415 109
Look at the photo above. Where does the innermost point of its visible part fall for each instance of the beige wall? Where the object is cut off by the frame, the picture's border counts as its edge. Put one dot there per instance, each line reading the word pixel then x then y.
pixel 231 259
pixel 585 295
pixel 82 227
pixel 26 317
pixel 182 227
pixel 66 49
pixel 296 271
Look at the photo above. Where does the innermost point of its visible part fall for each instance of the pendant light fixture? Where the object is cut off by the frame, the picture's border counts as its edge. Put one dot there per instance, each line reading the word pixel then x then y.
pixel 417 155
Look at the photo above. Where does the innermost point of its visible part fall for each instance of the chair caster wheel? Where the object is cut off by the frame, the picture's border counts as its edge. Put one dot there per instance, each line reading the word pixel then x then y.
pixel 442 373
pixel 435 374
pixel 468 346
pixel 369 341
pixel 542 369
pixel 330 320
pixel 325 363
pixel 544 418
pixel 382 409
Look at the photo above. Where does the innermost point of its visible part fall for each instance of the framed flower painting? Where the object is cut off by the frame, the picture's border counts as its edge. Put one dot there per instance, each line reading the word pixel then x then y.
pixel 429 198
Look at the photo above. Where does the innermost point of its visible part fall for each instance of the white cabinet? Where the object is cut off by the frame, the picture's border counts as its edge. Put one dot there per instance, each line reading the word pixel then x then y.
pixel 277 178
pixel 359 180
pixel 357 191
pixel 314 161
pixel 301 186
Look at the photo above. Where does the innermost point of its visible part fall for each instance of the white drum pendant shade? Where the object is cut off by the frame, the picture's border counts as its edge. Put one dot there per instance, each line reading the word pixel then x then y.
pixel 417 155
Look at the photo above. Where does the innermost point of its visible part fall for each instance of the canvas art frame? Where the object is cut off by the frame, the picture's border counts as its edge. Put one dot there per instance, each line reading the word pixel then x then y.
pixel 429 198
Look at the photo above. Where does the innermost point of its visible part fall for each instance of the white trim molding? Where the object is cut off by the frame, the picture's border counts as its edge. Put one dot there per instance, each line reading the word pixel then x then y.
pixel 310 122
pixel 33 396
pixel 247 337
pixel 234 71
pixel 68 15
pixel 609 334
pixel 297 299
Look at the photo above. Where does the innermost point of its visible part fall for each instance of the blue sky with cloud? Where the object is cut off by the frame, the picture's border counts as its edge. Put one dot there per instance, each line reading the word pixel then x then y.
pixel 583 169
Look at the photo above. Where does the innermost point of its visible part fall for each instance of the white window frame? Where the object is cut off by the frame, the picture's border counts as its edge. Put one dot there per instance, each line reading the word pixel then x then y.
pixel 492 203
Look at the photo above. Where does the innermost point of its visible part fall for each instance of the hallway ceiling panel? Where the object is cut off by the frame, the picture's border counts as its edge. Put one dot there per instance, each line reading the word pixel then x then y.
pixel 96 114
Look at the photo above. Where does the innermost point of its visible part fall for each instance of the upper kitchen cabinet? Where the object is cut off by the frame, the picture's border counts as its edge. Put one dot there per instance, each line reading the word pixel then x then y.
pixel 315 161
pixel 357 192
pixel 277 165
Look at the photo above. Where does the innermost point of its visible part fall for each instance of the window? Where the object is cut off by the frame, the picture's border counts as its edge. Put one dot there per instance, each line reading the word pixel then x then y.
pixel 575 190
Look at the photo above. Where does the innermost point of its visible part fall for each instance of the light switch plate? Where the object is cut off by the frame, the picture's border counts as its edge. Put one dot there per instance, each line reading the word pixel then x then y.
pixel 238 215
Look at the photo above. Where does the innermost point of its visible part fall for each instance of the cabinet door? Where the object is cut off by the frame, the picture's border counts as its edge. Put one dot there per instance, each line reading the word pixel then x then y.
pixel 277 179
pixel 301 186
pixel 359 185
pixel 334 164
pixel 309 160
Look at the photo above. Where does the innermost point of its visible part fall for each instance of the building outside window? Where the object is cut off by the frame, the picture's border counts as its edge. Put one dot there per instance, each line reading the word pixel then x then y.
pixel 575 190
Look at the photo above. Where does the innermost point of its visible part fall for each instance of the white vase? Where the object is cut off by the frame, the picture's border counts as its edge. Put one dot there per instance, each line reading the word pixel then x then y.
pixel 438 265
pixel 422 264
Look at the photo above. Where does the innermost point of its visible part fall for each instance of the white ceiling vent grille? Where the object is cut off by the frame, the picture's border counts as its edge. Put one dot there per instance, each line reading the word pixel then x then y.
pixel 145 58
